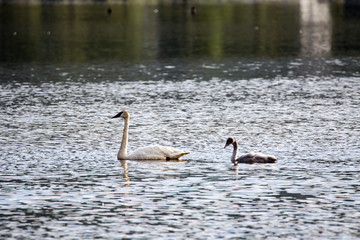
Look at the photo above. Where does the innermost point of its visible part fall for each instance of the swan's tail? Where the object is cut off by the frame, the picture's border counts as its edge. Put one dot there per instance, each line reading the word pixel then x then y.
pixel 177 155
pixel 272 159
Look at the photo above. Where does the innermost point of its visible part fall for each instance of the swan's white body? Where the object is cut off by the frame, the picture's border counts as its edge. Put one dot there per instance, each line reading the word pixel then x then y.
pixel 249 157
pixel 154 152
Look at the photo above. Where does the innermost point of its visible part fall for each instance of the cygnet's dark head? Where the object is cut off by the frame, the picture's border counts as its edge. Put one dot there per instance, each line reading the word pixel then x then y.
pixel 229 141
pixel 122 114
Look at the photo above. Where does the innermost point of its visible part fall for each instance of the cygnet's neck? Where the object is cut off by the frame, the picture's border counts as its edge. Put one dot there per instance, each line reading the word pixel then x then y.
pixel 124 142
pixel 235 151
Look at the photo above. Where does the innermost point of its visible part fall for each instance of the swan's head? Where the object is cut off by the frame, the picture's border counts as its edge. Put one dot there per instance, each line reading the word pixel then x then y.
pixel 122 114
pixel 229 141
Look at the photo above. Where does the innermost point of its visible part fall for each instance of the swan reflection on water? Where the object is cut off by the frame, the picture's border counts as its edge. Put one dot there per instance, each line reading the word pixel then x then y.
pixel 125 166
pixel 154 152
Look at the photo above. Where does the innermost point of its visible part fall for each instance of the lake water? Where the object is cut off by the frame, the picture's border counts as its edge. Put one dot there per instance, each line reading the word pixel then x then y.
pixel 283 77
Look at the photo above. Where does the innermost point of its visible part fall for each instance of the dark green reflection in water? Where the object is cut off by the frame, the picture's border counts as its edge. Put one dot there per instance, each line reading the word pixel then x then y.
pixel 133 32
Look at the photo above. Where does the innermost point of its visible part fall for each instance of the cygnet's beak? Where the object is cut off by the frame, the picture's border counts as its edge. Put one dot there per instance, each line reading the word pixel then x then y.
pixel 226 145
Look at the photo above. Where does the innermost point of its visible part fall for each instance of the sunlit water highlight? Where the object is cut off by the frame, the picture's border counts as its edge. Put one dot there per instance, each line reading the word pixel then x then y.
pixel 60 177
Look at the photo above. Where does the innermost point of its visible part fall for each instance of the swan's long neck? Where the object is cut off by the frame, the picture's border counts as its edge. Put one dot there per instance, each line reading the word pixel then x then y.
pixel 234 155
pixel 124 142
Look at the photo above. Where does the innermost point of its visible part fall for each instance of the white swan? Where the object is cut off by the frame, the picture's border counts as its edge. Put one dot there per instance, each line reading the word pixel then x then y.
pixel 154 152
pixel 249 157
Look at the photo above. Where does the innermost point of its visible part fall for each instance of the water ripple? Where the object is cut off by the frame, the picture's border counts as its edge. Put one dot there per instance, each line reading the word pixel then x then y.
pixel 60 177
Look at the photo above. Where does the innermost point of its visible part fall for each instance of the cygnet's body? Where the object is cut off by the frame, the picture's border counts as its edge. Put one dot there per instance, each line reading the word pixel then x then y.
pixel 154 152
pixel 249 157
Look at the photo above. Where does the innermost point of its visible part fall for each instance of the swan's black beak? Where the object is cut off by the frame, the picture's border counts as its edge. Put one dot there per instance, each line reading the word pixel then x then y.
pixel 227 145
pixel 117 115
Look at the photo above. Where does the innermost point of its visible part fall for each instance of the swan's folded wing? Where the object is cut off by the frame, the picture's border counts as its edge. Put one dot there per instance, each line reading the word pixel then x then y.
pixel 157 152
pixel 262 158
pixel 178 155
pixel 256 158
pixel 169 152
pixel 247 158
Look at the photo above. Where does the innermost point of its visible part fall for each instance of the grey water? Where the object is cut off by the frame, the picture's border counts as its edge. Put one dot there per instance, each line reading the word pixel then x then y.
pixel 282 77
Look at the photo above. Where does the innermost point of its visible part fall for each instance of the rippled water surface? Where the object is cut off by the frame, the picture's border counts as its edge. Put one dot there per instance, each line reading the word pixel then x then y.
pixel 60 177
